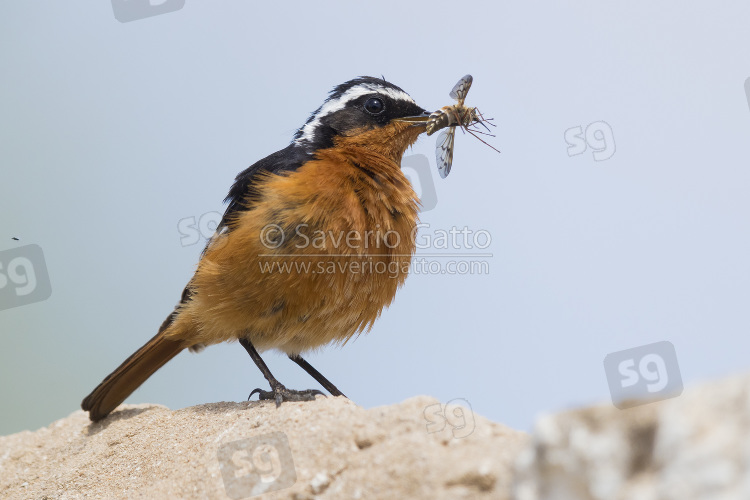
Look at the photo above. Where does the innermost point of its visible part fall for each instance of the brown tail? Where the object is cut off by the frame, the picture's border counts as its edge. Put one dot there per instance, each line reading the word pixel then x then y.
pixel 130 375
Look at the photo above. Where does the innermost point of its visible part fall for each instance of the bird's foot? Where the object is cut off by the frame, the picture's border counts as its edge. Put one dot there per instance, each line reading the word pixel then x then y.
pixel 280 393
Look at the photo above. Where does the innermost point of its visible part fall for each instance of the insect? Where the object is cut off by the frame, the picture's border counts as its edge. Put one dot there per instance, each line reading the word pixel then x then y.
pixel 450 117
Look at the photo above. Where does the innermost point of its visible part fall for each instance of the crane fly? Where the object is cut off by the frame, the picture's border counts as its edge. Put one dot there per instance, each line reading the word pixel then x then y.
pixel 450 117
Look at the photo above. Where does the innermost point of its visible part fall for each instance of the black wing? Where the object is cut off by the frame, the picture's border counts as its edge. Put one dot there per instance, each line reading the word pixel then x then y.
pixel 242 192
pixel 240 198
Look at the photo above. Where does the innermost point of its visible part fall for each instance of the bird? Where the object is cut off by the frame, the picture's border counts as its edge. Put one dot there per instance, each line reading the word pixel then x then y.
pixel 270 276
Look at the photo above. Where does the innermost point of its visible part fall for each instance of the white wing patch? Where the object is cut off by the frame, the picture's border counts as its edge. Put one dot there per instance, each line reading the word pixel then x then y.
pixel 334 105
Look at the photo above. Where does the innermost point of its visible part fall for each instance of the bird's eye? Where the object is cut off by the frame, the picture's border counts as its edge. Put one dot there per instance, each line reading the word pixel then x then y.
pixel 374 106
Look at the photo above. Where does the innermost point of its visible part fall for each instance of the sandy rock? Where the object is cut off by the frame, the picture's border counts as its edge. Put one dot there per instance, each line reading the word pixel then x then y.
pixel 326 449
pixel 693 447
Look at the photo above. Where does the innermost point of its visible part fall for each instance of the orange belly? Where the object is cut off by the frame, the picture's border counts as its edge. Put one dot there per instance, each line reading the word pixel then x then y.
pixel 348 220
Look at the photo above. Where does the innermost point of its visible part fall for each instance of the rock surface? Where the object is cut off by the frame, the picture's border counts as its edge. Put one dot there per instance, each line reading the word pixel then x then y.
pixel 693 447
pixel 329 448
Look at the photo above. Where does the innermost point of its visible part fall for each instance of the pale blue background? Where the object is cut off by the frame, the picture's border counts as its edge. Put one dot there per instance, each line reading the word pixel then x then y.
pixel 111 133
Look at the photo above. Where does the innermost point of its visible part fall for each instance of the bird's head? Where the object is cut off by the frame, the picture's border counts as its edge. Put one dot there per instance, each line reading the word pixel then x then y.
pixel 365 112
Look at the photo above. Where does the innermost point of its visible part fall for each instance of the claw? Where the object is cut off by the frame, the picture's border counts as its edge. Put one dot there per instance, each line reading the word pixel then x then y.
pixel 280 394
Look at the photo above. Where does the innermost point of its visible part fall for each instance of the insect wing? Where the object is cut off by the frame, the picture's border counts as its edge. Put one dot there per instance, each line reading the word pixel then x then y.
pixel 444 151
pixel 461 89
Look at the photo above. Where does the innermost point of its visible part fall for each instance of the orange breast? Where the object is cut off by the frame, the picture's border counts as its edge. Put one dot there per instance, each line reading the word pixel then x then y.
pixel 316 258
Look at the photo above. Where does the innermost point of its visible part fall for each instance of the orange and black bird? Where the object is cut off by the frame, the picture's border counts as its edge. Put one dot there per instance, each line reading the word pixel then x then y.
pixel 314 243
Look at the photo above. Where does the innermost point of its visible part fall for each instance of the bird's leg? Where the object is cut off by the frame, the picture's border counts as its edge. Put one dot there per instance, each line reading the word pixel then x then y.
pixel 278 392
pixel 316 375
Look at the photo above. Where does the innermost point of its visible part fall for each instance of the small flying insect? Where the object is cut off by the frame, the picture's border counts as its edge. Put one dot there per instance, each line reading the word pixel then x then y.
pixel 456 115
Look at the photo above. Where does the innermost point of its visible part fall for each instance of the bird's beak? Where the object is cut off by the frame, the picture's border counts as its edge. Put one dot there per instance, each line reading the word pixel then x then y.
pixel 417 119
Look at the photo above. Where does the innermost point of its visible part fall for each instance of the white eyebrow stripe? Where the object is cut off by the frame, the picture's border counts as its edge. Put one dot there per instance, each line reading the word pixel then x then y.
pixel 334 105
